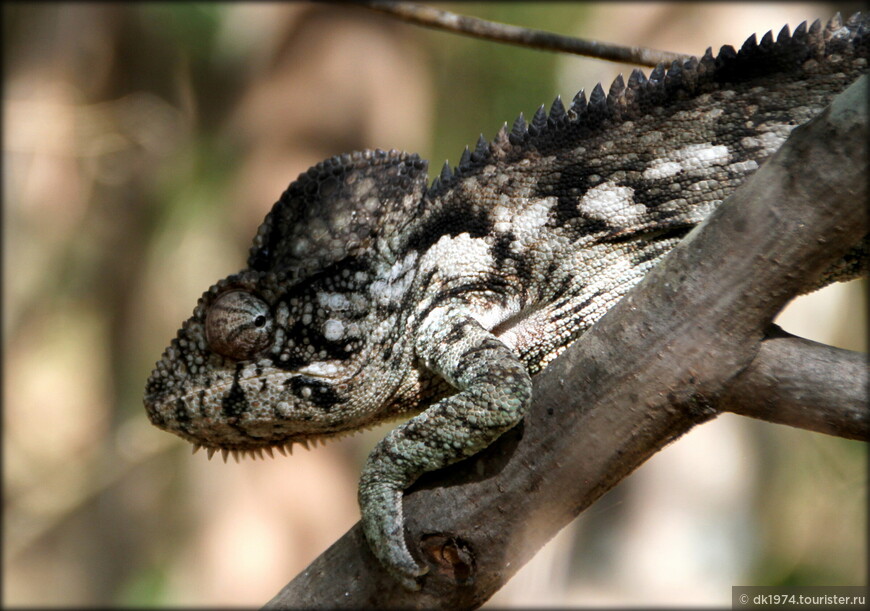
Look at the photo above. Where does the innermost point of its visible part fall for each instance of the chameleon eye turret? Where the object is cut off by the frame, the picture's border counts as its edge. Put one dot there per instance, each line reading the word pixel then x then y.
pixel 239 325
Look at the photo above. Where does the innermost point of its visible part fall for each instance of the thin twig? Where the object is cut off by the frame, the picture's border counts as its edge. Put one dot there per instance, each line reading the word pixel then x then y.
pixel 525 37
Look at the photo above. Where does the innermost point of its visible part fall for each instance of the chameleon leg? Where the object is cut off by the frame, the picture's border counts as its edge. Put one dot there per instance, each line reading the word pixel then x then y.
pixel 494 392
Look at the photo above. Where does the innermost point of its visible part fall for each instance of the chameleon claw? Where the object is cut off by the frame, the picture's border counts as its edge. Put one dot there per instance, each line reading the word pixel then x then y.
pixel 403 568
pixel 410 582
pixel 382 523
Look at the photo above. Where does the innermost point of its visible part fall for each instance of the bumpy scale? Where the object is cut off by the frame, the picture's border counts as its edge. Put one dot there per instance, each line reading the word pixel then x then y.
pixel 368 295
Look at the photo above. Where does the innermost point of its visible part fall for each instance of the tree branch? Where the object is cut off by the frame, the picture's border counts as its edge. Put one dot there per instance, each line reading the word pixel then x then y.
pixel 438 19
pixel 657 364
pixel 804 384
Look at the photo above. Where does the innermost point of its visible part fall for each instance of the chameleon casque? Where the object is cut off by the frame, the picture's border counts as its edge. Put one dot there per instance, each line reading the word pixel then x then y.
pixel 370 294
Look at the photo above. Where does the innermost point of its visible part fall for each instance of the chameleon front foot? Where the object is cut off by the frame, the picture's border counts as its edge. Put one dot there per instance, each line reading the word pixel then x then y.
pixel 383 526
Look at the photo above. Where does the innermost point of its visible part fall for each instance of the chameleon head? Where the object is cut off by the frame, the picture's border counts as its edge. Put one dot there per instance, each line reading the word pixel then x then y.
pixel 261 365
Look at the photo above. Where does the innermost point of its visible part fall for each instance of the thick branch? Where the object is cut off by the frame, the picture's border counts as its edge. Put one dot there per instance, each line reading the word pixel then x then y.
pixel 804 384
pixel 525 37
pixel 647 372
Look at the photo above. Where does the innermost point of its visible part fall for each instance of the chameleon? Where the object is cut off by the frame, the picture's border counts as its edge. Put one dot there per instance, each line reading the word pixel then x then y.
pixel 371 295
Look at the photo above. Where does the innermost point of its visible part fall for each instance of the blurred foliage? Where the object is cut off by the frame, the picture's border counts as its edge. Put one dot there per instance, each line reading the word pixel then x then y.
pixel 189 26
pixel 490 84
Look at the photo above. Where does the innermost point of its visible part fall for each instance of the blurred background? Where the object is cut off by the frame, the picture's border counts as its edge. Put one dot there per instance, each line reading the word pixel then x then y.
pixel 142 146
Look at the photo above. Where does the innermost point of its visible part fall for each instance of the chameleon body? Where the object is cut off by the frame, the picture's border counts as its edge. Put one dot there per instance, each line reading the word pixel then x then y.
pixel 369 294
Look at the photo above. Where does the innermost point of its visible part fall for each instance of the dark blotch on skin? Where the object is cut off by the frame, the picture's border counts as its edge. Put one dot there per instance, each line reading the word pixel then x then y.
pixel 322 395
pixel 234 404
pixel 182 416
pixel 452 219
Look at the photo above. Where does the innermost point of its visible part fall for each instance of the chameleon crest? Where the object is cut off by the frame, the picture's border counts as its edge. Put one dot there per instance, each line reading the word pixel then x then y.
pixel 369 295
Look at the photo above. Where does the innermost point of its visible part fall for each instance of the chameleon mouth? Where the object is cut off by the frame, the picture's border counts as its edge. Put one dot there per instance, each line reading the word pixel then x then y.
pixel 261 452
pixel 240 439
pixel 285 447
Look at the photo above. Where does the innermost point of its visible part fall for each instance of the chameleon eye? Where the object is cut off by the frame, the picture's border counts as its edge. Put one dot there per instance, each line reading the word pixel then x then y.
pixel 238 325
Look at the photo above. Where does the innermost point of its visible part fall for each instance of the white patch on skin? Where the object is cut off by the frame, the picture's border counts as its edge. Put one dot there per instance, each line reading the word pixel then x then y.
pixel 278 341
pixel 524 218
pixel 341 218
pixel 687 159
pixel 529 221
pixel 768 142
pixel 333 301
pixel 612 204
pixel 394 282
pixel 460 256
pixel 380 290
pixel 282 313
pixel 743 167
pixel 284 409
pixel 662 169
pixel 513 338
pixel 703 155
pixel 333 330
pixel 502 215
pixel 494 315
pixel 534 216
pixel 770 139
